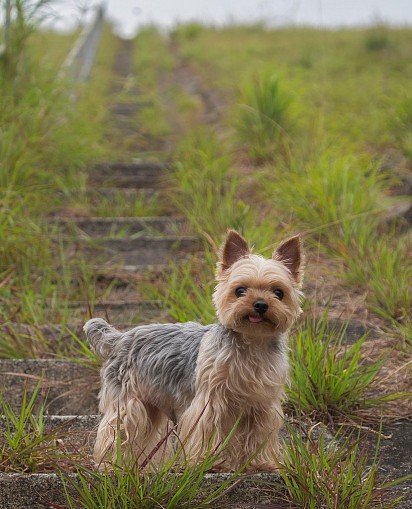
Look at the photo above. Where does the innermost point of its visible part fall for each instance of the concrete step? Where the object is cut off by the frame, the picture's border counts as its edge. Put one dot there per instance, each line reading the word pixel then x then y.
pixel 396 458
pixel 135 174
pixel 251 491
pixel 46 491
pixel 125 193
pixel 121 226
pixel 133 181
pixel 67 388
pixel 51 340
pixel 120 311
pixel 354 329
pixel 72 431
pixel 130 168
pixel 145 250
pixel 124 109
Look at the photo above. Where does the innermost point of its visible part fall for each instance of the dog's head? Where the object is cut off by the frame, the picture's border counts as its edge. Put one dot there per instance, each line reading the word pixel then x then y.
pixel 256 296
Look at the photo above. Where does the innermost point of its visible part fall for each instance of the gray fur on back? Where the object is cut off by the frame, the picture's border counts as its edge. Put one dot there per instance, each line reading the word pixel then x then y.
pixel 161 356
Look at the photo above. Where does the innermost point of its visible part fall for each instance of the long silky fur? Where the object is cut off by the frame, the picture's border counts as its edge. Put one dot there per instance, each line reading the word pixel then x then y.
pixel 209 380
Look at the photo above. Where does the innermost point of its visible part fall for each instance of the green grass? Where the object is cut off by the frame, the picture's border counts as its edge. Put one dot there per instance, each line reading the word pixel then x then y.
pixel 47 142
pixel 341 201
pixel 320 473
pixel 132 489
pixel 377 39
pixel 336 189
pixel 401 124
pixel 331 380
pixel 386 273
pixel 25 445
pixel 264 117
pixel 173 484
pixel 205 187
pixel 152 64
pixel 187 294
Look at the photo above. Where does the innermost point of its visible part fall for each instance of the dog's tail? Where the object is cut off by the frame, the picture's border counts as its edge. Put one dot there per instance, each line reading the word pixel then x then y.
pixel 101 336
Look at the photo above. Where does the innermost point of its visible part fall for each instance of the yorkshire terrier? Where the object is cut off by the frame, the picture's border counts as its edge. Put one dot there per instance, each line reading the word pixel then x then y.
pixel 210 380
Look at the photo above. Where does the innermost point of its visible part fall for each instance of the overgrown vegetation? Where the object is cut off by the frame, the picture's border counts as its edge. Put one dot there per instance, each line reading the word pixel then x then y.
pixel 331 473
pixel 25 445
pixel 174 483
pixel 330 380
pixel 264 116
pixel 317 163
pixel 46 141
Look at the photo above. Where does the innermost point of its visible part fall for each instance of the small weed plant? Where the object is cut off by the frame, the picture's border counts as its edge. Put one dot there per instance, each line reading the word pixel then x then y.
pixel 171 484
pixel 25 445
pixel 330 380
pixel 206 187
pixel 320 473
pixel 264 116
pixel 377 39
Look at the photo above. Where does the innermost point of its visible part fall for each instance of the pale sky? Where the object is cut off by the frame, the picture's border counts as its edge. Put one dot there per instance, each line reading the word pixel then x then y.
pixel 129 14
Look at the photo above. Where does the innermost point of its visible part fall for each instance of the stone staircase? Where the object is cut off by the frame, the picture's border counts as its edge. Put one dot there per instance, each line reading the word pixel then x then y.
pixel 132 246
pixel 68 388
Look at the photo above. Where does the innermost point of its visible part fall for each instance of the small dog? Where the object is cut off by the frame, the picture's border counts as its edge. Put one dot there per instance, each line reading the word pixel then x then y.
pixel 211 379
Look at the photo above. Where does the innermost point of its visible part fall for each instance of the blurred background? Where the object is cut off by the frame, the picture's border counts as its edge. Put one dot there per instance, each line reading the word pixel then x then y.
pixel 128 15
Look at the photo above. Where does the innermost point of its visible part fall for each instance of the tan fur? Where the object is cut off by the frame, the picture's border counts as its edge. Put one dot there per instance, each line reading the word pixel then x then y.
pixel 238 383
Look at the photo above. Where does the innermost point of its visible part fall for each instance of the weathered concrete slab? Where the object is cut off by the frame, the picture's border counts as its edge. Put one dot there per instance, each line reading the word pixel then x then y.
pixel 353 329
pixel 121 226
pixel 124 109
pixel 126 193
pixel 137 272
pixel 55 339
pixel 32 491
pixel 74 433
pixel 41 491
pixel 121 312
pixel 130 168
pixel 66 387
pixel 396 457
pixel 138 174
pixel 132 181
pixel 144 250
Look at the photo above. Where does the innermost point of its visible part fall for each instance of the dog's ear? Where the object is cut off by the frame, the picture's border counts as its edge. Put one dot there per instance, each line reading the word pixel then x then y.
pixel 234 248
pixel 290 253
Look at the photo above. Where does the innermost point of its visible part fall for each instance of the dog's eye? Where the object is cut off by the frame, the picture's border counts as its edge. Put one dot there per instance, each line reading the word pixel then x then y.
pixel 278 293
pixel 241 291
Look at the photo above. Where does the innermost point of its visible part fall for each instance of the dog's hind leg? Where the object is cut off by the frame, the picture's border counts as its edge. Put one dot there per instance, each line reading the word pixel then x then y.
pixel 132 429
pixel 106 439
pixel 144 428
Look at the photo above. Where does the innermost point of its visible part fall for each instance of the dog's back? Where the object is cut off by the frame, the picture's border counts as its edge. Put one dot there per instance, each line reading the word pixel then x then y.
pixel 160 356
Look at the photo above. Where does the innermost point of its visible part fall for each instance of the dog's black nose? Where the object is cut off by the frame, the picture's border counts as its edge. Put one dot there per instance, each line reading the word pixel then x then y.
pixel 260 306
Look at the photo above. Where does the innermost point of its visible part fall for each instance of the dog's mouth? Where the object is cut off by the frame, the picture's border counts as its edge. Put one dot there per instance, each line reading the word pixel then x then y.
pixel 252 318
pixel 255 318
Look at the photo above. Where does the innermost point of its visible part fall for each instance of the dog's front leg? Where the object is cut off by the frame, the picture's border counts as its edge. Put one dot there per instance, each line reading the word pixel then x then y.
pixel 261 439
pixel 201 429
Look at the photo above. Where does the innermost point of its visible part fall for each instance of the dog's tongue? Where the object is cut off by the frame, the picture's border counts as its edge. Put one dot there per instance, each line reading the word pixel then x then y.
pixel 255 319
